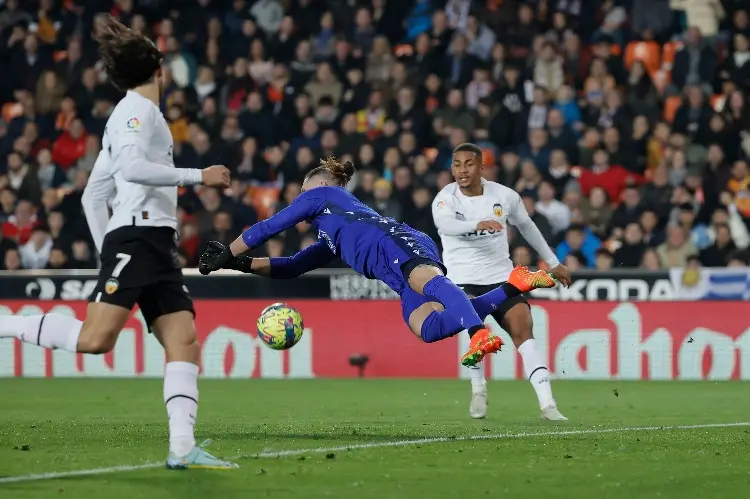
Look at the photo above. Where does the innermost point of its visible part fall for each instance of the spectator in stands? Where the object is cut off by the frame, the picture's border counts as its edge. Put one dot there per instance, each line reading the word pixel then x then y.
pixel 537 149
pixel 674 252
pixel 548 69
pixel 12 260
pixel 604 260
pixel 509 81
pixel 631 251
pixel 553 210
pixel 58 260
pixel 629 210
pixel 21 179
pixel 48 173
pixel 35 253
pixel 598 211
pixel 579 239
pixel 696 63
pixel 717 254
pixel 70 146
pixel 612 178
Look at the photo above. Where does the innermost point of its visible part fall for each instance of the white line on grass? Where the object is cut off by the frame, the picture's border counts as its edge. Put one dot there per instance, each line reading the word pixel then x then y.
pixel 375 445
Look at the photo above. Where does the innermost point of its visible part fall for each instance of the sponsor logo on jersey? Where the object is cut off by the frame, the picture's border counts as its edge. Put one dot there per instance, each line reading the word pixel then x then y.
pixel 497 210
pixel 133 124
pixel 324 236
pixel 460 216
pixel 111 286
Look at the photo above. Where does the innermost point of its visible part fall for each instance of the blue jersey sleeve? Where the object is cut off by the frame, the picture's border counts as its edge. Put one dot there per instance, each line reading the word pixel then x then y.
pixel 305 207
pixel 308 259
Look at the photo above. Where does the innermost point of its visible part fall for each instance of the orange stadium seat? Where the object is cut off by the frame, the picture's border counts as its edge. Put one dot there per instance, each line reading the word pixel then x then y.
pixel 670 107
pixel 717 102
pixel 669 51
pixel 11 110
pixel 647 52
pixel 263 200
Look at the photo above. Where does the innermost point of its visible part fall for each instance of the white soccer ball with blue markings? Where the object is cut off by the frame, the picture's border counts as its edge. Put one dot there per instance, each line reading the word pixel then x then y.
pixel 280 326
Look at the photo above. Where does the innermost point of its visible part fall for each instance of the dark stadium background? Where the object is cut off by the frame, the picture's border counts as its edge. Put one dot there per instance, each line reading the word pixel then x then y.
pixel 625 131
pixel 624 124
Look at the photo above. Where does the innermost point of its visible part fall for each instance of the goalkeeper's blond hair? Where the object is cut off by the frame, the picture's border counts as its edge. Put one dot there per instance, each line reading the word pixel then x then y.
pixel 340 172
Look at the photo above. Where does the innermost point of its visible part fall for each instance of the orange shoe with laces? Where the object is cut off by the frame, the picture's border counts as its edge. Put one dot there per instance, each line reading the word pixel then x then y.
pixel 482 343
pixel 524 280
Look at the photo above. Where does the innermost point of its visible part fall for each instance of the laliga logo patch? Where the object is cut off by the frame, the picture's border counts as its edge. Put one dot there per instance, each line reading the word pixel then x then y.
pixel 497 210
pixel 111 286
pixel 441 204
pixel 133 124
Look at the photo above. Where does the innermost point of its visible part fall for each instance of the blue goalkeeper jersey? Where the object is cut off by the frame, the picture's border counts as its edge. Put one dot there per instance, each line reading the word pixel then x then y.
pixel 374 246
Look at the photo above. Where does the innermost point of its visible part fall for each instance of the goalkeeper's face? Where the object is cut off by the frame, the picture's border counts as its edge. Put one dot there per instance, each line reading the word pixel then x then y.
pixel 466 169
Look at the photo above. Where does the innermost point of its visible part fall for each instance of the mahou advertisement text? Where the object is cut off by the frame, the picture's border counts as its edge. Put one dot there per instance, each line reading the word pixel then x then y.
pixel 595 340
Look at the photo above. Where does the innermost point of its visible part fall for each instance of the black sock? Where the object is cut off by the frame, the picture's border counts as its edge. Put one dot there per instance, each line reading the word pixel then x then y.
pixel 473 330
pixel 510 290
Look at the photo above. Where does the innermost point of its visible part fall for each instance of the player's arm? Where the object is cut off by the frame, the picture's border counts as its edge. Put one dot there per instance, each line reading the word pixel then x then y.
pixel 520 218
pixel 100 186
pixel 444 215
pixel 313 257
pixel 305 207
pixel 130 144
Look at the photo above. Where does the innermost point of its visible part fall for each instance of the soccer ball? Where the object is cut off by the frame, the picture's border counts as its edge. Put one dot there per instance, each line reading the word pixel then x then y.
pixel 280 326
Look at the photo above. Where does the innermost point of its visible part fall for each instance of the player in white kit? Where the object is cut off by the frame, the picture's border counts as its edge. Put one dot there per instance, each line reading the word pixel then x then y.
pixel 471 216
pixel 138 243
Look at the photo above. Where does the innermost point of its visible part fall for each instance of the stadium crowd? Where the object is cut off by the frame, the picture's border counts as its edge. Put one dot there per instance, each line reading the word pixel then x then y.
pixel 623 124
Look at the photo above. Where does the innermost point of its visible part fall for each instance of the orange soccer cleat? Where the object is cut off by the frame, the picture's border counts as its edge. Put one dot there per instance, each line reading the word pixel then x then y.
pixel 482 343
pixel 524 280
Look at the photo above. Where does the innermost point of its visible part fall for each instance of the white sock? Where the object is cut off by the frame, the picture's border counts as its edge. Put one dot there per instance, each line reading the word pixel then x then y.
pixel 537 372
pixel 181 399
pixel 476 375
pixel 49 331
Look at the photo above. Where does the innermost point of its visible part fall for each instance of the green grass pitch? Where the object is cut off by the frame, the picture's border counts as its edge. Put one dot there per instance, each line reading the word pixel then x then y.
pixel 620 442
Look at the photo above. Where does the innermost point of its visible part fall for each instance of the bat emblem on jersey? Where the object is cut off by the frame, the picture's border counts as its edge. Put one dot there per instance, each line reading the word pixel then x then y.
pixel 111 286
pixel 497 210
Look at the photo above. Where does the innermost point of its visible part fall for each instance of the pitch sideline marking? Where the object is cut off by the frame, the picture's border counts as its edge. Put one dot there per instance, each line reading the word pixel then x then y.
pixel 375 445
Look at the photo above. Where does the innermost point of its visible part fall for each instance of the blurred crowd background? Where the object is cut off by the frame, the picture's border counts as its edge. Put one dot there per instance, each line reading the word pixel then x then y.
pixel 624 124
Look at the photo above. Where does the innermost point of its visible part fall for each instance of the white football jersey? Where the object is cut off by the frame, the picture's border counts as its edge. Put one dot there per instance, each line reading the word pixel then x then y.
pixel 136 165
pixel 471 256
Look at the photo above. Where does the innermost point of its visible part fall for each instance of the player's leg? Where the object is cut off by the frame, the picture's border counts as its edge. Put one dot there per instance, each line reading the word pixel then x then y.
pixel 97 334
pixel 168 309
pixel 428 320
pixel 113 298
pixel 516 320
pixel 479 397
pixel 428 279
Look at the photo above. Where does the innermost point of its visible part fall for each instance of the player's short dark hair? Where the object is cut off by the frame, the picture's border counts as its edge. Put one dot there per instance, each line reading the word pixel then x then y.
pixel 340 172
pixel 469 147
pixel 130 58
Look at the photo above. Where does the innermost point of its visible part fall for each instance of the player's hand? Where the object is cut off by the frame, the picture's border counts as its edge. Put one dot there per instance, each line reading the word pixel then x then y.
pixel 215 257
pixel 562 274
pixel 215 176
pixel 490 225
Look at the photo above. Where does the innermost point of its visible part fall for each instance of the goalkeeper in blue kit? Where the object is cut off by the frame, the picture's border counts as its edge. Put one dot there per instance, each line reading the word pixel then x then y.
pixel 378 248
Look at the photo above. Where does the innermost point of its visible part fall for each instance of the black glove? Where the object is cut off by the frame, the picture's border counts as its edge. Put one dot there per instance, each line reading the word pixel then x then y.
pixel 217 256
